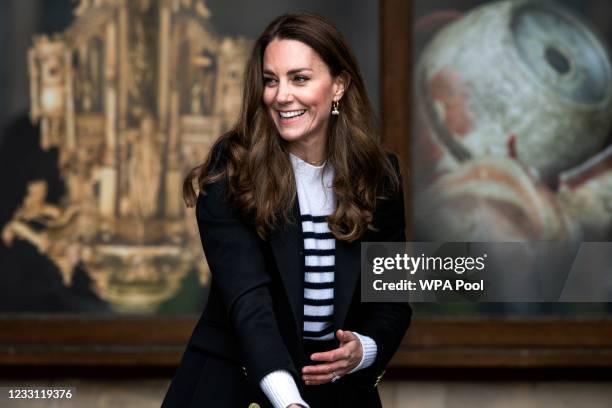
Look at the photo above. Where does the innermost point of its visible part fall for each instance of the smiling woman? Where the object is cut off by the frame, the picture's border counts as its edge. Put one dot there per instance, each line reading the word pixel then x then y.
pixel 286 198
pixel 299 89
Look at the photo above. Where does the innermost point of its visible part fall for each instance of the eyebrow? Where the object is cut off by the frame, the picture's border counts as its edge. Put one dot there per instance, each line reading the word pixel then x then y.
pixel 293 71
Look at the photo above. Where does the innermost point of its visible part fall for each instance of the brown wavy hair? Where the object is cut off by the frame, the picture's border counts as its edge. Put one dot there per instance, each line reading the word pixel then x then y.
pixel 260 179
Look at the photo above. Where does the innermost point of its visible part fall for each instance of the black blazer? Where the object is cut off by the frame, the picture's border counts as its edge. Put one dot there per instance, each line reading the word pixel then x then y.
pixel 254 314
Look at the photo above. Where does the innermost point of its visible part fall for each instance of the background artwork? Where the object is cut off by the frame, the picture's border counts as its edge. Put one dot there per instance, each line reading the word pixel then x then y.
pixel 512 126
pixel 513 119
pixel 68 332
pixel 124 98
pixel 126 130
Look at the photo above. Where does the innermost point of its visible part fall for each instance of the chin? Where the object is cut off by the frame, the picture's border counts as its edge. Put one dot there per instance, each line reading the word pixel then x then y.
pixel 291 135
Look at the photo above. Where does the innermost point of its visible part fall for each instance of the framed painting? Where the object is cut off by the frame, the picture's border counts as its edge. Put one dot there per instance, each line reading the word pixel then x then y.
pixel 468 64
pixel 113 290
pixel 108 106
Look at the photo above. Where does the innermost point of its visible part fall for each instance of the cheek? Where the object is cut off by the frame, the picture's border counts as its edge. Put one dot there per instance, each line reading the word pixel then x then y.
pixel 322 97
pixel 267 97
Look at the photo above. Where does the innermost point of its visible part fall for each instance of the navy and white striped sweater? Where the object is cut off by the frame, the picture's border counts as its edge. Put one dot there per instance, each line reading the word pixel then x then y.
pixel 316 199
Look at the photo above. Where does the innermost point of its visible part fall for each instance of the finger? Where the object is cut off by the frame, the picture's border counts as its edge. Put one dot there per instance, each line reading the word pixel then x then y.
pixel 318 378
pixel 332 355
pixel 316 382
pixel 326 368
pixel 321 379
pixel 345 336
pixel 347 352
pixel 339 334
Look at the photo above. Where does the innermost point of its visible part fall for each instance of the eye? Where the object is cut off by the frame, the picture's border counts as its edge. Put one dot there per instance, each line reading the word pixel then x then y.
pixel 300 79
pixel 269 81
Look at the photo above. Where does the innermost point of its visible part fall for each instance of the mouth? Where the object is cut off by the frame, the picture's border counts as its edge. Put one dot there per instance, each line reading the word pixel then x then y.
pixel 290 116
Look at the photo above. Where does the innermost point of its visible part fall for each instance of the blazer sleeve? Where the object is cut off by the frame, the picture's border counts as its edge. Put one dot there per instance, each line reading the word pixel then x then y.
pixel 236 260
pixel 386 323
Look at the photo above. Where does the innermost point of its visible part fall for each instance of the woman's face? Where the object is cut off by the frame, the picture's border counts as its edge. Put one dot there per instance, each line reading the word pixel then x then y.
pixel 298 91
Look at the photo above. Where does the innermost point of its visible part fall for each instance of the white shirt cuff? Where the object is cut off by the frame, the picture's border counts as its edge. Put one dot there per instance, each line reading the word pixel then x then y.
pixel 281 389
pixel 369 352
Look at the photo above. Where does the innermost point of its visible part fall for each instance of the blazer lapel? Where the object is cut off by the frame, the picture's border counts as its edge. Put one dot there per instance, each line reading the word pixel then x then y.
pixel 346 277
pixel 288 248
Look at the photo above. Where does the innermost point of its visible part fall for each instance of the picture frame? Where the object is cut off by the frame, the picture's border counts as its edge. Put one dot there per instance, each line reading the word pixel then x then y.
pixel 483 343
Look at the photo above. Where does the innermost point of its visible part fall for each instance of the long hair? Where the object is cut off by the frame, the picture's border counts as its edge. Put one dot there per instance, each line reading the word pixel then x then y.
pixel 260 179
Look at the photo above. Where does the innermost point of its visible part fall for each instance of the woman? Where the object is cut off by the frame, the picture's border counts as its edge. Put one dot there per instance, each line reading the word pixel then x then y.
pixel 286 198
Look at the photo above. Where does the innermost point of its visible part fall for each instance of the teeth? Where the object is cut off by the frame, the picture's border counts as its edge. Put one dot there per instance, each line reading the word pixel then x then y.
pixel 292 114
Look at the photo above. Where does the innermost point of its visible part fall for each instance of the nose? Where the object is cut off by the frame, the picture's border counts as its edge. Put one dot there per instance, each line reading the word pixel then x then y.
pixel 284 93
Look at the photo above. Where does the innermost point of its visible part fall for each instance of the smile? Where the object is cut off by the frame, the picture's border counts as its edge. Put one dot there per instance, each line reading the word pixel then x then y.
pixel 291 114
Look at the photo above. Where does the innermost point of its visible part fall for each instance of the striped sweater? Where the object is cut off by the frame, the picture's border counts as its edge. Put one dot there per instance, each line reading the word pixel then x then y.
pixel 316 199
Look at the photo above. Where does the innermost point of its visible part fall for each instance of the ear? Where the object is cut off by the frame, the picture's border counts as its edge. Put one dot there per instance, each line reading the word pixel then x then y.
pixel 341 84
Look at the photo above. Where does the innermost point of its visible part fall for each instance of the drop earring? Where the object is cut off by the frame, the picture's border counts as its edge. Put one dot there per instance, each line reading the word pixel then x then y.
pixel 335 110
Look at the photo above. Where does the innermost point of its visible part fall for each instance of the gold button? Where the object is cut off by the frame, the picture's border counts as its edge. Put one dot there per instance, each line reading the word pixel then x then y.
pixel 254 405
pixel 378 379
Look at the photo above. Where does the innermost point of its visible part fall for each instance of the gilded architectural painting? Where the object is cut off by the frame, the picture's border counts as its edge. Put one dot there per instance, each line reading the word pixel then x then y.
pixel 120 99
pixel 131 95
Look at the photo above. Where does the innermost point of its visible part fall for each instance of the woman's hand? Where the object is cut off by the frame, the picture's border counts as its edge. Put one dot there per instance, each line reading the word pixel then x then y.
pixel 340 360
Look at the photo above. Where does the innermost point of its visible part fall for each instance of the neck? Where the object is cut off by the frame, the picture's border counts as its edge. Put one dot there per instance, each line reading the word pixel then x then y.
pixel 314 155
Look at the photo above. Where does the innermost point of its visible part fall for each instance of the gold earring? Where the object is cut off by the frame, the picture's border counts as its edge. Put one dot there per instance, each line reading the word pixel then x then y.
pixel 335 110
